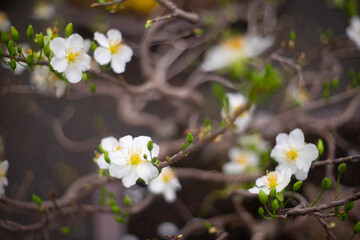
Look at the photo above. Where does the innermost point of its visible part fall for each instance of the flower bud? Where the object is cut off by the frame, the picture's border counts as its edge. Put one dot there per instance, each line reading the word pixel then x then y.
pixel 261 211
pixel 297 185
pixel 30 59
pixel 30 32
pixel 348 206
pixel 190 138
pixel 4 37
pixel 272 193
pixel 36 199
pixel 47 50
pixel 275 205
pixel 68 30
pixel 150 145
pixel 357 227
pixel 326 183
pixel 342 168
pixel 93 46
pixel 106 156
pixel 40 40
pixel 14 34
pixel 320 147
pixel 19 49
pixel 13 65
pixel 263 197
pixel 337 208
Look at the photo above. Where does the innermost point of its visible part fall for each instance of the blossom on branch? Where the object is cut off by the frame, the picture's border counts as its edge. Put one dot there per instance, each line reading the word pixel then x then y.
pixel 235 49
pixel 276 179
pixel 240 161
pixel 166 183
pixel 46 81
pixel 113 50
pixel 353 31
pixel 70 57
pixel 234 103
pixel 291 152
pixel 5 23
pixel 4 165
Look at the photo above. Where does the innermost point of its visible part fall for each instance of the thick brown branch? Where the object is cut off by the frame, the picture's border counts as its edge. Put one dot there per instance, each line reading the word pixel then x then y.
pixel 179 13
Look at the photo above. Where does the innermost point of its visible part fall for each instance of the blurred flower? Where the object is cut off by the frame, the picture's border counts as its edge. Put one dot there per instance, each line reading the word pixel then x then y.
pixel 292 153
pixel 235 49
pixel 44 10
pixel 276 179
pixel 237 101
pixel 240 161
pixel 129 163
pixel 254 142
pixel 167 228
pixel 70 57
pixel 5 23
pixel 46 81
pixel 353 31
pixel 166 183
pixel 113 50
pixel 4 165
pixel 299 95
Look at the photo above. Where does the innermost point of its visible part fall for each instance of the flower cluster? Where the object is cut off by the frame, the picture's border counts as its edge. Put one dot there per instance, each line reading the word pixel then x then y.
pixel 4 165
pixel 127 158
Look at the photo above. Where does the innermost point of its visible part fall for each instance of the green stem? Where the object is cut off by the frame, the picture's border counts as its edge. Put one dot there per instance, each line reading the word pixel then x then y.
pixel 288 199
pixel 272 216
pixel 337 187
pixel 267 217
pixel 317 199
pixel 39 58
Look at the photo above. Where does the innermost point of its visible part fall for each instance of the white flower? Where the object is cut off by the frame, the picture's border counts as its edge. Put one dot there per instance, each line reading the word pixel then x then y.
pixel 166 183
pixel 299 95
pixel 291 152
pixel 70 57
pixel 353 31
pixel 44 10
pixel 46 81
pixel 254 142
pixel 4 165
pixel 4 22
pixel 111 145
pixel 240 161
pixel 129 162
pixel 235 49
pixel 276 179
pixel 112 49
pixel 236 102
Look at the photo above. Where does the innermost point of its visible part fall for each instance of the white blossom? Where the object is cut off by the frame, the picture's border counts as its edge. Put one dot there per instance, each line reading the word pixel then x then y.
pixel 240 161
pixel 235 49
pixel 292 153
pixel 44 10
pixel 46 81
pixel 70 57
pixel 5 23
pixel 128 160
pixel 276 179
pixel 254 142
pixel 113 50
pixel 4 165
pixel 353 31
pixel 237 101
pixel 166 183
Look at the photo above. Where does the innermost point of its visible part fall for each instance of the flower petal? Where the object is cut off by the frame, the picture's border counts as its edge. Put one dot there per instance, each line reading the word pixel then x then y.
pixel 102 55
pixel 58 46
pixel 309 151
pixel 59 64
pixel 301 175
pixel 130 179
pixel 108 143
pixel 73 74
pixel 114 35
pixel 126 53
pixel 119 171
pixel 282 138
pixel 101 40
pixel 296 138
pixel 117 63
pixel 157 186
pixel 147 171
pixel 169 195
pixel 126 142
pixel 102 163
pixel 118 158
pixel 75 41
pixel 83 62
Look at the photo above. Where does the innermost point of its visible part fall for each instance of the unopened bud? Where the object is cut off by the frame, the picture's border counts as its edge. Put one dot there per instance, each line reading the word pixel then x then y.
pixel 272 193
pixel 40 40
pixel 297 185
pixel 357 227
pixel 14 34
pixel 4 37
pixel 68 30
pixel 261 211
pixel 348 206
pixel 30 59
pixel 320 147
pixel 342 168
pixel 30 32
pixel 326 183
pixel 47 50
pixel 275 205
pixel 263 197
pixel 13 65
pixel 150 145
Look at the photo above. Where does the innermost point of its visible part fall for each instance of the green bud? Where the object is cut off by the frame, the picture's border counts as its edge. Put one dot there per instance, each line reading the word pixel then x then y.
pixel 68 30
pixel 208 225
pixel 190 138
pixel 47 50
pixel 145 156
pixel 272 193
pixel 337 208
pixel 19 49
pixel 297 185
pixel 261 211
pixel 36 199
pixel 150 145
pixel 115 209
pixel 4 37
pixel 11 46
pixel 13 65
pixel 93 46
pixel 30 32
pixel 348 206
pixel 292 35
pixel 183 146
pixel 65 230
pixel 40 40
pixel 320 147
pixel 342 216
pixel 263 197
pixel 357 227
pixel 101 148
pixel 119 219
pixel 342 168
pixel 326 183
pixel 30 59
pixel 127 201
pixel 14 34
pixel 275 205
pixel 92 87
pixel 148 24
pixel 85 77
pixel 106 156
pixel 335 82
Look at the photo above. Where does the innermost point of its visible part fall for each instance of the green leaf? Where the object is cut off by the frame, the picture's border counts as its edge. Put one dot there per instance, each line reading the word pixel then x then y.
pixel 36 199
pixel 292 35
pixel 127 201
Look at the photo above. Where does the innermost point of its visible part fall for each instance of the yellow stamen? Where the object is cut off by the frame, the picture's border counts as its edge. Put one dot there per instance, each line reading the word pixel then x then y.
pixel 116 147
pixel 241 159
pixel 72 54
pixel 167 176
pixel 135 158
pixel 115 46
pixel 291 155
pixel 235 43
pixel 271 179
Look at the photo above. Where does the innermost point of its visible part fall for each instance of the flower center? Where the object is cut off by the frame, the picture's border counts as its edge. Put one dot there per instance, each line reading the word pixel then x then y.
pixel 135 157
pixel 72 54
pixel 291 155
pixel 235 43
pixel 167 176
pixel 115 46
pixel 116 147
pixel 271 179
pixel 241 159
